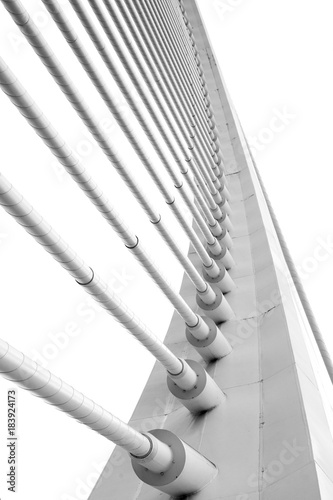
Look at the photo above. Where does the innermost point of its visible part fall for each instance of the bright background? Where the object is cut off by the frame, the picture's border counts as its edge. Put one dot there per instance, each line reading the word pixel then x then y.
pixel 276 59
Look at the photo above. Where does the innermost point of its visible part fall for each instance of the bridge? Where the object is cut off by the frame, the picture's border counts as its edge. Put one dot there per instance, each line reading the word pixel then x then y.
pixel 238 404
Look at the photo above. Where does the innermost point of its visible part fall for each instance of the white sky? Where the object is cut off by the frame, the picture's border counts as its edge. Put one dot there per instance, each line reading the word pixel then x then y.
pixel 275 58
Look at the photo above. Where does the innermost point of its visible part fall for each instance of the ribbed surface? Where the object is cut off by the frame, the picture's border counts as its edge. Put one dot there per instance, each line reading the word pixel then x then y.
pixel 74 167
pixel 139 87
pixel 151 60
pixel 41 47
pixel 194 80
pixel 84 58
pixel 189 268
pixel 168 30
pixel 38 121
pixel 14 203
pixel 147 55
pixel 207 193
pixel 174 100
pixel 35 38
pixel 194 74
pixel 161 40
pixel 177 13
pixel 14 365
pixel 131 71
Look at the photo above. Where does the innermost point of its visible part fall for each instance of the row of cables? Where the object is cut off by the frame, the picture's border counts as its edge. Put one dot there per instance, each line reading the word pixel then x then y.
pixel 177 114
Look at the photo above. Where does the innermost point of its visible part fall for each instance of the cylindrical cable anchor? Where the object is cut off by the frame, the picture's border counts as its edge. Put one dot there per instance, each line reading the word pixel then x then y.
pixel 220 253
pixel 225 205
pixel 170 462
pixel 214 346
pixel 220 277
pixel 159 457
pixel 188 473
pixel 217 198
pixel 224 220
pixel 221 234
pixel 219 310
pixel 225 191
pixel 203 396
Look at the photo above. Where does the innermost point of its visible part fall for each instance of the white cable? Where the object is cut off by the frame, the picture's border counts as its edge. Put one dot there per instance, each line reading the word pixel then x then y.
pixel 132 73
pixel 17 367
pixel 174 101
pixel 148 56
pixel 28 108
pixel 147 24
pixel 192 59
pixel 14 203
pixel 36 39
pixel 102 87
pixel 194 74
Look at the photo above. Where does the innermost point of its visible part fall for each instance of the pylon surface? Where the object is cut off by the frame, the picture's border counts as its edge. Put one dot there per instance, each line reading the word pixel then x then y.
pixel 272 439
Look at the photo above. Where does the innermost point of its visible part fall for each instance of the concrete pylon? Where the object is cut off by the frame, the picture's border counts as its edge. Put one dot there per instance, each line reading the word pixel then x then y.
pixel 272 438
